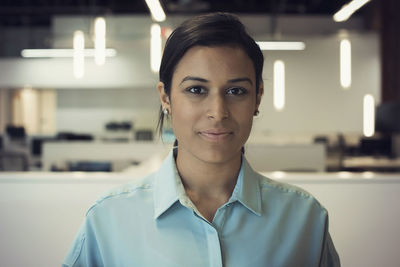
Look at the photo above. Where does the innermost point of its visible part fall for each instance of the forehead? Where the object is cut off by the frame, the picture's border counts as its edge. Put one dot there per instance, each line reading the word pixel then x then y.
pixel 213 62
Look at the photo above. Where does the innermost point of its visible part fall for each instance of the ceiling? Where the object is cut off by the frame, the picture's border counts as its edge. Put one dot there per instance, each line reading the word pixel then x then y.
pixel 28 23
pixel 38 13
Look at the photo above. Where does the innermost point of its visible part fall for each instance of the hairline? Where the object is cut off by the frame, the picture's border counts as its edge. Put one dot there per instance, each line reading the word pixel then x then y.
pixel 227 44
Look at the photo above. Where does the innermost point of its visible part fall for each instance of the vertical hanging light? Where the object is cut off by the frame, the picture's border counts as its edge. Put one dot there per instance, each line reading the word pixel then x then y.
pixel 155 47
pixel 100 40
pixel 79 57
pixel 345 63
pixel 279 85
pixel 369 115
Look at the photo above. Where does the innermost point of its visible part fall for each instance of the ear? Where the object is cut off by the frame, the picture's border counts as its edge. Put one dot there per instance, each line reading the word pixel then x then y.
pixel 164 98
pixel 259 95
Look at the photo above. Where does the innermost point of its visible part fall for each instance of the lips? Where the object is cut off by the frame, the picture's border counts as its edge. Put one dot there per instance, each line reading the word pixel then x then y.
pixel 216 135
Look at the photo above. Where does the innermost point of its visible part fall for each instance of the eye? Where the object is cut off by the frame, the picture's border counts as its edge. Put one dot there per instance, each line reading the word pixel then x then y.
pixel 236 91
pixel 197 90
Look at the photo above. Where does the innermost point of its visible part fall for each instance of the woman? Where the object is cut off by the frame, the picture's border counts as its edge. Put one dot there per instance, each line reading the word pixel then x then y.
pixel 205 206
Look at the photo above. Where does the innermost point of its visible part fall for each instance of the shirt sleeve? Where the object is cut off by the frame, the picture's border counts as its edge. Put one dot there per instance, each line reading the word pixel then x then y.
pixel 329 257
pixel 84 251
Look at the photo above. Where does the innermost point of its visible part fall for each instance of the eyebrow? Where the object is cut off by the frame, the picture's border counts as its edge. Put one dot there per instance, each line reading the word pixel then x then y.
pixel 244 79
pixel 199 79
pixel 192 78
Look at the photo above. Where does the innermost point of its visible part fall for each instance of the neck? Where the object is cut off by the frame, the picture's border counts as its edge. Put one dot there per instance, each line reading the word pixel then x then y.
pixel 208 179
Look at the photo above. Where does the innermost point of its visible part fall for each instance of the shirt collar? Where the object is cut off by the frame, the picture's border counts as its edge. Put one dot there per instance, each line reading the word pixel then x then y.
pixel 169 188
pixel 247 190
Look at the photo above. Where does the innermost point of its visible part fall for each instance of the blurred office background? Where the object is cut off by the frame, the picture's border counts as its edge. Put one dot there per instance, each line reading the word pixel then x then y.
pixel 113 98
pixel 79 109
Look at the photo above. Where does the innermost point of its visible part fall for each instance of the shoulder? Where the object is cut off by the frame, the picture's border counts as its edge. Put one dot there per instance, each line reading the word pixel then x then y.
pixel 125 192
pixel 289 193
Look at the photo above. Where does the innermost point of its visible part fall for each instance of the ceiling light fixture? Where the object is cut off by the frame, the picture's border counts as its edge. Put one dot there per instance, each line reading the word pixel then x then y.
pixel 275 45
pixel 345 63
pixel 156 10
pixel 155 47
pixel 347 10
pixel 78 56
pixel 369 115
pixel 279 85
pixel 100 41
pixel 62 53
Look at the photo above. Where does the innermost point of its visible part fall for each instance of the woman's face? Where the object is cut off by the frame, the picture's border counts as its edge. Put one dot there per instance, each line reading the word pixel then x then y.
pixel 213 100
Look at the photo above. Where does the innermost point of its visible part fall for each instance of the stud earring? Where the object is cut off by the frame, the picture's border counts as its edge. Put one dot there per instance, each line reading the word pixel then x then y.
pixel 165 111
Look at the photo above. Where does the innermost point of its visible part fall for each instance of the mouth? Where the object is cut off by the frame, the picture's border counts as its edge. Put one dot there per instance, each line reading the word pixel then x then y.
pixel 216 135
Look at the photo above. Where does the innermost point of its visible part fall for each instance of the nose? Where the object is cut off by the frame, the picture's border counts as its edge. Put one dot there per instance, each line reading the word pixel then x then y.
pixel 217 108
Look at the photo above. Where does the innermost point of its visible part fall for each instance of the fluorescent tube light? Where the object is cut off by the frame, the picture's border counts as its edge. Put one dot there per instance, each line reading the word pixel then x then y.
pixel 347 10
pixel 369 116
pixel 345 63
pixel 60 53
pixel 279 85
pixel 100 41
pixel 156 10
pixel 78 57
pixel 281 45
pixel 155 47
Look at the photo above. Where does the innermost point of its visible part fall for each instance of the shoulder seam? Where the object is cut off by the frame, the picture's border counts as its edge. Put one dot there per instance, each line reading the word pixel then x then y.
pixel 267 182
pixel 119 192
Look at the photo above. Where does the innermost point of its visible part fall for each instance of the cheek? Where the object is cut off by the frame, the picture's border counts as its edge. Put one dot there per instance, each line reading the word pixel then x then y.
pixel 184 115
pixel 246 123
pixel 244 117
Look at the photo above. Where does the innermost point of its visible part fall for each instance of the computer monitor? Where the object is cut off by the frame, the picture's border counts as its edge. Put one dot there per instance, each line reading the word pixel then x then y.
pixel 376 146
pixel 90 166
pixel 74 136
pixel 15 132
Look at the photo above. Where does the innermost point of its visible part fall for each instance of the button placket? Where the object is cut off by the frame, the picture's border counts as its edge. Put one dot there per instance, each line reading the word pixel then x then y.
pixel 214 245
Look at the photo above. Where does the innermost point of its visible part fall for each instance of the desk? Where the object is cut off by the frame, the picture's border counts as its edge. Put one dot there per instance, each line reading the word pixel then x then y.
pixel 371 164
pixel 74 151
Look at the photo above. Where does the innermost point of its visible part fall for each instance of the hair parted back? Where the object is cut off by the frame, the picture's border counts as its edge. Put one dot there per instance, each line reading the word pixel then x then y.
pixel 214 29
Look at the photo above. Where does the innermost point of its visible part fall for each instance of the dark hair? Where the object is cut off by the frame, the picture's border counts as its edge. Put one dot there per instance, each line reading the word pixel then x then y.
pixel 215 29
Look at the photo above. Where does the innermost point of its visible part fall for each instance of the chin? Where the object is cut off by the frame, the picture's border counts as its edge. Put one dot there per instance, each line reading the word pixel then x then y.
pixel 218 156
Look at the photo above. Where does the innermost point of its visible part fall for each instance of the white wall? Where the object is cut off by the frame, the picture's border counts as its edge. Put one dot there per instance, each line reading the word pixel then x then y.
pixel 315 101
pixel 88 110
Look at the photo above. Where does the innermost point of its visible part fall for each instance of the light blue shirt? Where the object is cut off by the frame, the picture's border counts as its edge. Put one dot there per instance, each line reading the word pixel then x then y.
pixel 152 222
